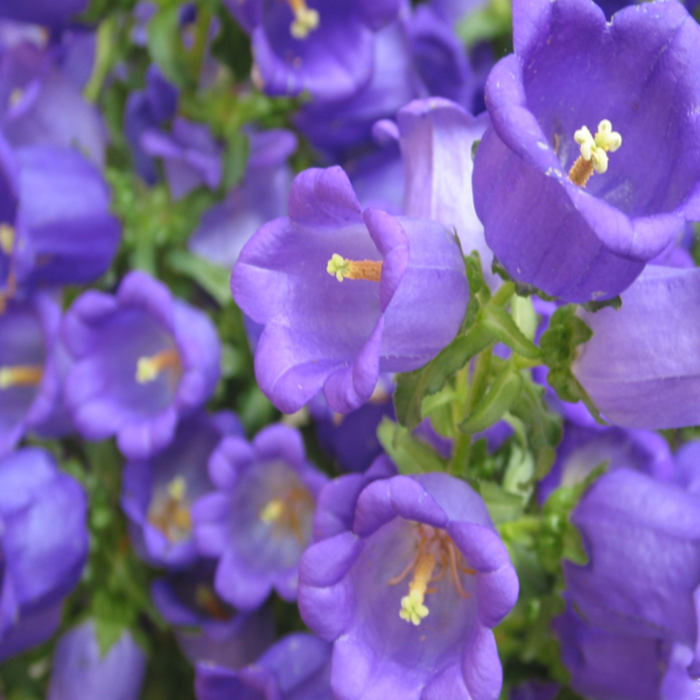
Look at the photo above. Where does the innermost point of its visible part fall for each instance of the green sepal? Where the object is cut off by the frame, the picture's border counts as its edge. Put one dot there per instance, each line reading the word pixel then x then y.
pixel 594 306
pixel 501 396
pixel 522 289
pixel 558 344
pixel 558 538
pixel 166 48
pixel 497 321
pixel 503 506
pixel 413 387
pixel 411 455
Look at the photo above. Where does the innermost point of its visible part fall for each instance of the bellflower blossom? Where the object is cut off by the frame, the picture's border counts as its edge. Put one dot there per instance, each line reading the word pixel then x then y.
pixel 296 668
pixel 582 98
pixel 261 197
pixel 643 574
pixel 403 301
pixel 81 672
pixel 157 493
pixel 410 594
pixel 41 104
pixel 142 360
pixel 325 47
pixel 258 522
pixel 641 367
pixel 43 547
pixel 29 368
pixel 207 629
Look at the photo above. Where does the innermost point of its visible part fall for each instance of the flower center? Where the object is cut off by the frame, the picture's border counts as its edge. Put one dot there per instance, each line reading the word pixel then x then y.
pixel 149 368
pixel 7 238
pixel 288 513
pixel 436 555
pixel 207 600
pixel 305 19
pixel 594 151
pixel 341 267
pixel 21 375
pixel 171 514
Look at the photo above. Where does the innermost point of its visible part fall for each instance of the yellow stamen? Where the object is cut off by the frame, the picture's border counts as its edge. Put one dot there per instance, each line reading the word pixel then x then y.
pixel 9 291
pixel 171 515
pixel 20 375
pixel 436 553
pixel 7 238
pixel 594 151
pixel 305 19
pixel 149 368
pixel 341 267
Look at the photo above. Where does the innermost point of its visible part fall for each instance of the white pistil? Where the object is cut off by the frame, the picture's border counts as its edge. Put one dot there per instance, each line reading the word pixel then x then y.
pixel 149 368
pixel 7 238
pixel 594 151
pixel 340 268
pixel 305 19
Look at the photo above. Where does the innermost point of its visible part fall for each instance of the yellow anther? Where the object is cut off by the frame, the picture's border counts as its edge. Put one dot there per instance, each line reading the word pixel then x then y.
pixel 7 238
pixel 272 512
pixel 305 19
pixel 170 513
pixel 149 368
pixel 594 151
pixel 340 268
pixel 20 375
pixel 177 488
pixel 412 608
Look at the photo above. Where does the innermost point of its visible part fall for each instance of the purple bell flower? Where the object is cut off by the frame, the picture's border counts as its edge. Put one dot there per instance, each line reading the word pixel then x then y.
pixel 142 360
pixel 41 104
pixel 403 301
pixel 437 137
pixel 324 47
pixel 687 461
pixel 191 156
pixel 535 690
pixel 566 107
pixel 261 197
pixel 582 449
pixel 157 493
pixel 30 376
pixel 81 672
pixel 410 594
pixel 643 574
pixel 49 12
pixel 207 629
pixel 296 668
pixel 377 178
pixel 258 522
pixel 640 367
pixel 147 110
pixel 43 547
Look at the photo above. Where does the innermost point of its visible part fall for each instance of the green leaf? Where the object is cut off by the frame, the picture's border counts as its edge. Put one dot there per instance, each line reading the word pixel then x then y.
pixel 500 397
pixel 166 48
pixel 108 632
pixel 411 455
pixel 412 387
pixel 214 279
pixel 497 321
pixel 232 46
pixel 235 159
pixel 502 506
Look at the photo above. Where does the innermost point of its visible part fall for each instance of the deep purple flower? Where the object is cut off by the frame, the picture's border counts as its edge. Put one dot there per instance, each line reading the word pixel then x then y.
pixel 142 360
pixel 641 367
pixel 643 574
pixel 296 668
pixel 207 629
pixel 437 137
pixel 352 439
pixel 377 178
pixel 191 156
pixel 548 228
pixel 43 547
pixel 687 461
pixel 535 690
pixel 582 449
pixel 608 666
pixel 41 104
pixel 157 493
pixel 29 367
pixel 51 12
pixel 410 594
pixel 81 672
pixel 259 520
pixel 403 301
pixel 261 197
pixel 147 110
pixel 324 47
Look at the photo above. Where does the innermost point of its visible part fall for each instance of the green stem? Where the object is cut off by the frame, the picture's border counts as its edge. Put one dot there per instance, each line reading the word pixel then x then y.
pixel 503 295
pixel 201 39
